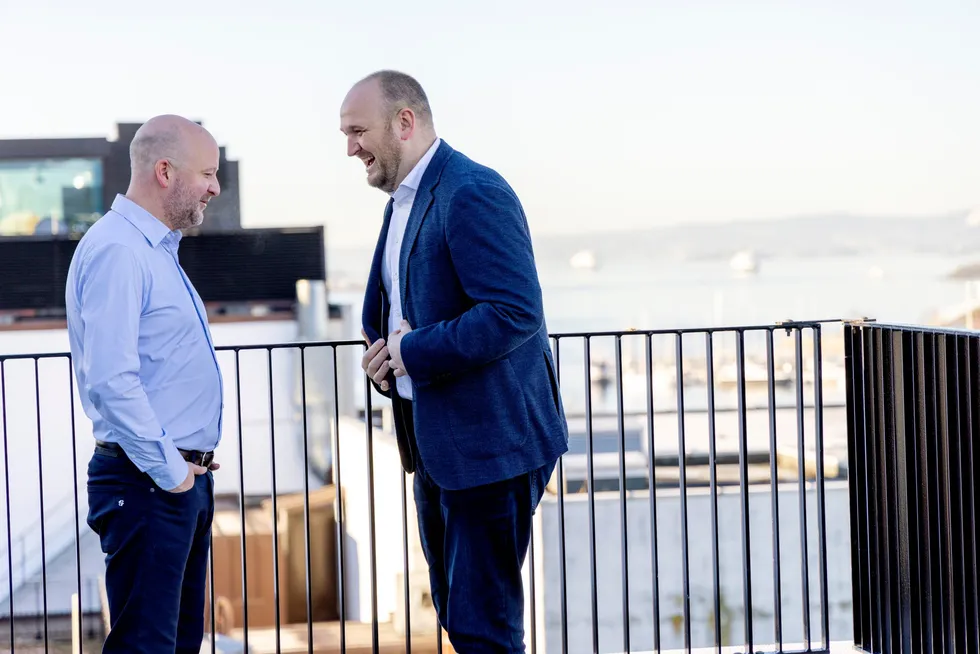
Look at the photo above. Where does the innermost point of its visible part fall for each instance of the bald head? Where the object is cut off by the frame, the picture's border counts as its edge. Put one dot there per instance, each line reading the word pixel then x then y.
pixel 401 91
pixel 164 137
pixel 174 164
pixel 388 123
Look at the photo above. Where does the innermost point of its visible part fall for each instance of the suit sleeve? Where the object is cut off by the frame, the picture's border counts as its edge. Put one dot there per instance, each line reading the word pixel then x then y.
pixel 371 315
pixel 490 246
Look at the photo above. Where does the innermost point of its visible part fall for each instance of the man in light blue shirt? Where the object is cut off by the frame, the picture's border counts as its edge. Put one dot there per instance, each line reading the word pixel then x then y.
pixel 149 380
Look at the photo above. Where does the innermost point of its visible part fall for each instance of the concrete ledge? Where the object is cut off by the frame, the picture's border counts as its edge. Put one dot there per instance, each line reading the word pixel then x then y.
pixel 843 647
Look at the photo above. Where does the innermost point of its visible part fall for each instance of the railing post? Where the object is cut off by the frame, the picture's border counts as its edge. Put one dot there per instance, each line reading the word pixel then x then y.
pixel 76 625
pixel 911 433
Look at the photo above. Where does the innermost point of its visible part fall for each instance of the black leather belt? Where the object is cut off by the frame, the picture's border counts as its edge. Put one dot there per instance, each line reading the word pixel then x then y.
pixel 202 459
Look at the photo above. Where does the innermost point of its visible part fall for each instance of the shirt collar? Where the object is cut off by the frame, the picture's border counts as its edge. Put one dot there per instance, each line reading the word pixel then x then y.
pixel 149 225
pixel 414 178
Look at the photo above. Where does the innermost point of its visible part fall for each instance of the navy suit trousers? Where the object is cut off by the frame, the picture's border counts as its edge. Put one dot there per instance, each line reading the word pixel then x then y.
pixel 475 541
pixel 156 546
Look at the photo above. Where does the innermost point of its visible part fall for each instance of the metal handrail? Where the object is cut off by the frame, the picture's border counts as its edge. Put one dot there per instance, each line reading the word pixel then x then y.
pixel 778 325
pixel 366 565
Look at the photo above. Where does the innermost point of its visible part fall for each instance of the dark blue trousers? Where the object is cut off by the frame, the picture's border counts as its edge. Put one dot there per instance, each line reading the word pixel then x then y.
pixel 156 546
pixel 475 542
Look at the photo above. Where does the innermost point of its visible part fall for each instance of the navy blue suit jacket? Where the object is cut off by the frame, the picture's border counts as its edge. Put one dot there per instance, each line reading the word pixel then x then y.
pixel 486 402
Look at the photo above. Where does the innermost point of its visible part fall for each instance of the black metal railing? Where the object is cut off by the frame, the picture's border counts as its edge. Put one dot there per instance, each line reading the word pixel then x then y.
pixel 913 420
pixel 690 512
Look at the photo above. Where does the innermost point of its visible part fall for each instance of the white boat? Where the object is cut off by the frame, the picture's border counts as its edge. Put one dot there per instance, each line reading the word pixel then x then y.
pixel 744 262
pixel 584 260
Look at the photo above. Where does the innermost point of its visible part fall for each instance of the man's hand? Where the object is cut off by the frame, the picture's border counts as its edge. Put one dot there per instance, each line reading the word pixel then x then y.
pixel 193 470
pixel 375 361
pixel 395 348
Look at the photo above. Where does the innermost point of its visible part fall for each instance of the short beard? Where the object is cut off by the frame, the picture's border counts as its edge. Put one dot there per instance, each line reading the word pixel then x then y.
pixel 180 208
pixel 389 160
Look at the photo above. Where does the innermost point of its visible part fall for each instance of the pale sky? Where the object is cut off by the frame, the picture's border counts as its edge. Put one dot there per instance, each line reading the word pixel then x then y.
pixel 602 115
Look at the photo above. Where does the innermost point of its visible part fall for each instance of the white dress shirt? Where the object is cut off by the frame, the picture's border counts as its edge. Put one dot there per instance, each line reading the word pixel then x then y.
pixel 403 198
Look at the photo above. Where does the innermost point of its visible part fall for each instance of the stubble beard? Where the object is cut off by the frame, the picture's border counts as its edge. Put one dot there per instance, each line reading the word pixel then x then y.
pixel 388 160
pixel 182 209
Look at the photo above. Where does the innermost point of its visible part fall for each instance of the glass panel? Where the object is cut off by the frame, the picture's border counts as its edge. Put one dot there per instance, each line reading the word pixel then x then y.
pixel 49 196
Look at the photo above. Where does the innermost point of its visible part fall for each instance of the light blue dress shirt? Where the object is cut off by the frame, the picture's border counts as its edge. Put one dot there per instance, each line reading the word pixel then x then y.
pixel 142 352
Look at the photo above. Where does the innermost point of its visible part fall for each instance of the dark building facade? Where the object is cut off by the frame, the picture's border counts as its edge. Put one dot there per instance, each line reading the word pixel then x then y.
pixel 61 186
pixel 230 269
pixel 52 190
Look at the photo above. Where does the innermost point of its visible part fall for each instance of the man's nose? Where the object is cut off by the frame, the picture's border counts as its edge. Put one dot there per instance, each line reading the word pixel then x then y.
pixel 215 188
pixel 352 147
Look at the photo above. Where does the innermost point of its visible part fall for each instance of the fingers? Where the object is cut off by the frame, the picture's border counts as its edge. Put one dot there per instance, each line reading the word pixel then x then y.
pixel 214 466
pixel 376 363
pixel 400 372
pixel 372 351
pixel 371 354
pixel 382 372
pixel 196 469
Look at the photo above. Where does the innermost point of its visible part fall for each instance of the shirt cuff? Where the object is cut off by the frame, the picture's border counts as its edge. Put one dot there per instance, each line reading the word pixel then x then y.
pixel 171 474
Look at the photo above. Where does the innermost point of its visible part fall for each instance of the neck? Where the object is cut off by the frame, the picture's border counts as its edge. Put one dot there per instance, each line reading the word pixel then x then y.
pixel 150 203
pixel 414 154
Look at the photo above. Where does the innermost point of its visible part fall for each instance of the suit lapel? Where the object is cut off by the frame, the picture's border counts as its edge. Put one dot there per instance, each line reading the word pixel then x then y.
pixel 375 285
pixel 420 209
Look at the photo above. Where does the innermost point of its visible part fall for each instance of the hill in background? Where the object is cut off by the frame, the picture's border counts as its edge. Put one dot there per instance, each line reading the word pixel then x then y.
pixel 809 236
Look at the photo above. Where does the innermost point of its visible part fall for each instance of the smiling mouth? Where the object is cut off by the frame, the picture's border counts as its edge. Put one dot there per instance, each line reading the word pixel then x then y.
pixel 369 162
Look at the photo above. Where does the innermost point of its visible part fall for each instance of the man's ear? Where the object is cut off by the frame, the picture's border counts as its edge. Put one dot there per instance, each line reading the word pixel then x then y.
pixel 164 172
pixel 405 123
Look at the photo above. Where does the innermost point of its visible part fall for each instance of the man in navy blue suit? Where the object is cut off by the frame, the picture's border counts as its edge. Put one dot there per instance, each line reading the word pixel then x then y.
pixel 457 339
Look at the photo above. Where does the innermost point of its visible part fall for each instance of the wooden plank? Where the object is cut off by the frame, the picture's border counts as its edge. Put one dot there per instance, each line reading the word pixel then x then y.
pixel 76 624
pixel 326 639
